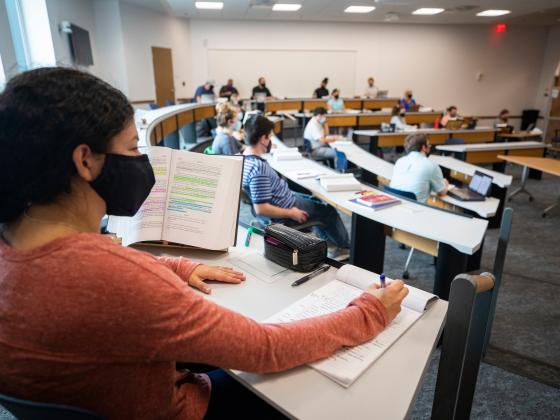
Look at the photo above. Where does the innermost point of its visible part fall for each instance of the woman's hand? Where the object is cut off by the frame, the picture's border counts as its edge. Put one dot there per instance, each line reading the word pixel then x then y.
pixel 391 296
pixel 206 272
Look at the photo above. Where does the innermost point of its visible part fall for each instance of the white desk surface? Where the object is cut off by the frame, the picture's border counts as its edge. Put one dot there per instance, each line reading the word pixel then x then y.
pixel 501 180
pixel 387 390
pixel 381 167
pixel 483 147
pixel 463 233
pixel 370 133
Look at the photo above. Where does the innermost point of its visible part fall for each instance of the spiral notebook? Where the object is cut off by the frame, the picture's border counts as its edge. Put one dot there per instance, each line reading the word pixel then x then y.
pixel 347 364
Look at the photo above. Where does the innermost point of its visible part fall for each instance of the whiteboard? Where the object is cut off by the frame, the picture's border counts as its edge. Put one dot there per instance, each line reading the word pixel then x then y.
pixel 288 73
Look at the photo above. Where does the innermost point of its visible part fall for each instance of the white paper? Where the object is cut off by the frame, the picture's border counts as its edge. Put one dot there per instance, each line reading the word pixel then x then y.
pixel 347 364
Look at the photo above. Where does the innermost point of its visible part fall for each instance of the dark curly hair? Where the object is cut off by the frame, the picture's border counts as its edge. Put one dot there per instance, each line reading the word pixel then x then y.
pixel 44 115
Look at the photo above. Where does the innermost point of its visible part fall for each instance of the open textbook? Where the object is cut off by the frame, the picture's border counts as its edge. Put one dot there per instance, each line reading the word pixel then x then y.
pixel 194 202
pixel 347 364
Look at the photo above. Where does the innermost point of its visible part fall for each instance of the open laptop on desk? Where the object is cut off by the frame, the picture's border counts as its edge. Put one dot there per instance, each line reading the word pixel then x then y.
pixel 476 191
pixel 413 108
pixel 454 124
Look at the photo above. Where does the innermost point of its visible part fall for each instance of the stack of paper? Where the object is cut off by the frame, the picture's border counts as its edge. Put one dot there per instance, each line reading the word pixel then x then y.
pixel 342 182
pixel 289 153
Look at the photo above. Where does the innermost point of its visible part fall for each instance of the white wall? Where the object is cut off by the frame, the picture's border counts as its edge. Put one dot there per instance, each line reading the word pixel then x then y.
pixel 7 52
pixel 144 29
pixel 439 62
pixel 109 39
pixel 78 12
pixel 551 59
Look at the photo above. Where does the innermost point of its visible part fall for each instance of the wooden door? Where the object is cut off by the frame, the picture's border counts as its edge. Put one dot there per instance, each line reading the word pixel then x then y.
pixel 163 75
pixel 553 126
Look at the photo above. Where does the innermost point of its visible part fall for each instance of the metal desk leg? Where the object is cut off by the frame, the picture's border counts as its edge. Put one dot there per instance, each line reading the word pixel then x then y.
pixel 521 189
pixel 367 244
pixel 501 194
pixel 547 210
pixel 450 262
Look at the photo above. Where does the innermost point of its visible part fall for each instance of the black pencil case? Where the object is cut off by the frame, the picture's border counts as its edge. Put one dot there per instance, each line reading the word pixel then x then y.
pixel 293 249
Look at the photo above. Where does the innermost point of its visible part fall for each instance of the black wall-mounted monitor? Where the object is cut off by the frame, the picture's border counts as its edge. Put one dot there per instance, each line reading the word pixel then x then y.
pixel 81 46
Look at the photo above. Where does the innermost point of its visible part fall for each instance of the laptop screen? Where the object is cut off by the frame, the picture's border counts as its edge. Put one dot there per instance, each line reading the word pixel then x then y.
pixel 480 183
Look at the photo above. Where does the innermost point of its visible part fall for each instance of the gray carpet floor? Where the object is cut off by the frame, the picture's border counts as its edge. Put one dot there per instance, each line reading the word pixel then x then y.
pixel 520 377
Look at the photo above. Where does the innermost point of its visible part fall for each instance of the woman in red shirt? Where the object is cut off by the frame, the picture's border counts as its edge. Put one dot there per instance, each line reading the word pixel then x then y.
pixel 89 323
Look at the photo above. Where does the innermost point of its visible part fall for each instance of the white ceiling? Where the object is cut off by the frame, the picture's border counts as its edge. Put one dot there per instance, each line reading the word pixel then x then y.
pixel 539 12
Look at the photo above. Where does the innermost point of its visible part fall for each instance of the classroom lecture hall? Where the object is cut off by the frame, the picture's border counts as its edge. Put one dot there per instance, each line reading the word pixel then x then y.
pixel 292 209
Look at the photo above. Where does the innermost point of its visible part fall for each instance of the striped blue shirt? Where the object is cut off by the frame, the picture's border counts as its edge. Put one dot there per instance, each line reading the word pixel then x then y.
pixel 264 185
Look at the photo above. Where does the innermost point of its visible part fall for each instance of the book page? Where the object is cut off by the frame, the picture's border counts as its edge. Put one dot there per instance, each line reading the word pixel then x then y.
pixel 348 363
pixel 147 223
pixel 417 299
pixel 203 200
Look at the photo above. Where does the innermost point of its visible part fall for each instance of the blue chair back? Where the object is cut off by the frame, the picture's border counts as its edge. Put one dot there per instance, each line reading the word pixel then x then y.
pixel 30 410
pixel 169 102
pixel 401 193
pixel 172 140
pixel 452 141
pixel 307 146
pixel 340 162
pixel 153 106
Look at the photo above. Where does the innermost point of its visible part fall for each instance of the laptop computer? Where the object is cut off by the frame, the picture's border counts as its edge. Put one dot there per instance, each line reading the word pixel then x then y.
pixel 476 191
pixel 413 108
pixel 454 124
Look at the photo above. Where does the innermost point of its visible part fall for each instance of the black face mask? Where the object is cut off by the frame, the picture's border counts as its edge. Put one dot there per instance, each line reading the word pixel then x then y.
pixel 124 183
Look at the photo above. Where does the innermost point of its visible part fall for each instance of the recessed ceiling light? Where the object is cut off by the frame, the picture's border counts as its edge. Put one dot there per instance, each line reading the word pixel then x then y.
pixel 213 5
pixel 286 7
pixel 490 13
pixel 359 9
pixel 428 11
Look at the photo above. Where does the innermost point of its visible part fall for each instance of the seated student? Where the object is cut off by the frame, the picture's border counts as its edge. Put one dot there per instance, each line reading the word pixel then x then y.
pixel 228 134
pixel 407 101
pixel 273 201
pixel 205 89
pixel 503 117
pixel 335 103
pixel 322 90
pixel 416 173
pixel 450 115
pixel 261 88
pixel 228 89
pixel 80 313
pixel 371 90
pixel 317 132
pixel 399 120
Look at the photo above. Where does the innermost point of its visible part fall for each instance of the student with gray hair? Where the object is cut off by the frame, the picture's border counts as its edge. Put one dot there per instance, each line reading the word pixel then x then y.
pixel 416 173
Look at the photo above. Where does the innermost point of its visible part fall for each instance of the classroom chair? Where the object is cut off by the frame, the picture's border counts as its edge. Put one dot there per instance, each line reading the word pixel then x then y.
pixel 340 161
pixel 309 151
pixel 169 102
pixel 153 106
pixel 410 196
pixel 452 141
pixel 172 140
pixel 472 303
pixel 208 151
pixel 202 146
pixel 30 410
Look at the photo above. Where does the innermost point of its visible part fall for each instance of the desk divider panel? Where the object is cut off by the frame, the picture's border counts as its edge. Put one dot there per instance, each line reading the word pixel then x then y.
pixel 380 103
pixel 353 103
pixel 438 138
pixel 476 136
pixel 366 120
pixel 342 121
pixel 490 156
pixel 390 141
pixel 421 117
pixel 185 118
pixel 283 106
pixel 204 112
pixel 527 152
pixel 169 125
pixel 311 104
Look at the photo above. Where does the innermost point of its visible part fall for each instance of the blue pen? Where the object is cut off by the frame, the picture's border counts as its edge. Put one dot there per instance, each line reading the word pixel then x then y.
pixel 382 279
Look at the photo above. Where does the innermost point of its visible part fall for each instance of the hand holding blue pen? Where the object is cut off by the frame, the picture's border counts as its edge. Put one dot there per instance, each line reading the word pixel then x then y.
pixel 382 279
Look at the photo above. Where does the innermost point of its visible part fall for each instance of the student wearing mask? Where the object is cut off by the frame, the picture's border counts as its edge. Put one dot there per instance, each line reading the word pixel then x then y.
pixel 317 132
pixel 228 134
pixel 450 115
pixel 227 90
pixel 399 120
pixel 417 174
pixel 272 200
pixel 111 317
pixel 261 88
pixel 322 90
pixel 335 103
pixel 407 101
pixel 371 90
